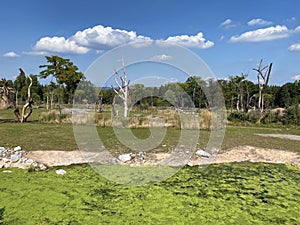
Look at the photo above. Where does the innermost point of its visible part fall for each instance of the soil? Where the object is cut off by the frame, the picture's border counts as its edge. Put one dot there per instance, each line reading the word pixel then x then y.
pixel 238 154
pixel 283 136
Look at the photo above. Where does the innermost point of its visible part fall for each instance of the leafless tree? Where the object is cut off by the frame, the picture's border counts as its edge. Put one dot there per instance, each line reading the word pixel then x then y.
pixel 122 91
pixel 28 105
pixel 6 95
pixel 263 77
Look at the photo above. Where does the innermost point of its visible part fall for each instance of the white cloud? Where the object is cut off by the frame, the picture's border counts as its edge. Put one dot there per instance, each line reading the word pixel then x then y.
pixel 100 38
pixel 296 77
pixel 59 45
pixel 104 38
pixel 36 53
pixel 11 55
pixel 228 23
pixel 294 47
pixel 162 57
pixel 258 22
pixel 264 34
pixel 197 41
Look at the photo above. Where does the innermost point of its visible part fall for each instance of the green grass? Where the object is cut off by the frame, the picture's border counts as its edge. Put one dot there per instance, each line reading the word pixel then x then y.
pixel 35 136
pixel 221 194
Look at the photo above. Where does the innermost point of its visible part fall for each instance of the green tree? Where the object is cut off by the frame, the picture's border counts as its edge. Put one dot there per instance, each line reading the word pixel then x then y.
pixel 195 89
pixel 65 73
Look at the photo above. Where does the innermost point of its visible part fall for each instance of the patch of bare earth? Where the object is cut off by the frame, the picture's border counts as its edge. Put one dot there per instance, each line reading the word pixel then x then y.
pixel 283 136
pixel 237 154
pixel 251 154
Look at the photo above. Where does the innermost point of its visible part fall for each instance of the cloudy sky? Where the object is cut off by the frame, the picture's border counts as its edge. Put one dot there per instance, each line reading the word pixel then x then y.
pixel 230 36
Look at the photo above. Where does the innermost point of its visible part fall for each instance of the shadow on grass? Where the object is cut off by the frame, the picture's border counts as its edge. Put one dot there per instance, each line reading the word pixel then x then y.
pixel 1 215
pixel 8 121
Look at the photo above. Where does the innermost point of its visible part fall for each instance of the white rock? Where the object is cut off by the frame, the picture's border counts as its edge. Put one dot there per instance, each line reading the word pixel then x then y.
pixel 2 149
pixel 43 167
pixel 6 171
pixel 60 172
pixel 203 153
pixel 125 157
pixel 164 145
pixel 18 148
pixel 190 164
pixel 15 157
pixel 29 161
pixel 6 160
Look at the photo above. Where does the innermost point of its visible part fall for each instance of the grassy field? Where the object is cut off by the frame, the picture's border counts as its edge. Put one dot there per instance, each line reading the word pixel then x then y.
pixel 221 194
pixel 236 193
pixel 35 136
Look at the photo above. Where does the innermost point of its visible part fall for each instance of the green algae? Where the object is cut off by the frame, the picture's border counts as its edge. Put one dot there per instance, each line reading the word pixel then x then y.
pixel 241 193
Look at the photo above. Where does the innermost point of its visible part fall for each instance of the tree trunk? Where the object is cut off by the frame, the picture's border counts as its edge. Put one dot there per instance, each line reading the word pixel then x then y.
pixel 28 105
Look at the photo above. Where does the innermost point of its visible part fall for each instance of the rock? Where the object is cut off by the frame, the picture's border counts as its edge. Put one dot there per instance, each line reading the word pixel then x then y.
pixel 6 160
pixel 1 166
pixel 190 164
pixel 2 151
pixel 6 171
pixel 28 161
pixel 203 153
pixel 18 148
pixel 43 167
pixel 125 157
pixel 164 146
pixel 60 172
pixel 15 157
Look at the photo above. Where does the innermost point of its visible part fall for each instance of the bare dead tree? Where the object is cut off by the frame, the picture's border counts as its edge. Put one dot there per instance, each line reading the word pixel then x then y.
pixel 28 105
pixel 122 91
pixel 99 102
pixel 264 74
pixel 6 99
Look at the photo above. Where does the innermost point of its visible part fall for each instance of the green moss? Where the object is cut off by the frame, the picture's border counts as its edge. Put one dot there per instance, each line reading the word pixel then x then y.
pixel 241 193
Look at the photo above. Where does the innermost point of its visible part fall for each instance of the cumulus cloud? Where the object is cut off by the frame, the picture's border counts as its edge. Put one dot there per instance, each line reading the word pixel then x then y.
pixel 100 38
pixel 59 45
pixel 294 47
pixel 197 41
pixel 264 34
pixel 162 57
pixel 11 55
pixel 228 23
pixel 258 22
pixel 296 77
pixel 104 38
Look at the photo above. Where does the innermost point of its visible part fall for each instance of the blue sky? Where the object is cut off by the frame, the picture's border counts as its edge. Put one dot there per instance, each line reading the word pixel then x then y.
pixel 230 36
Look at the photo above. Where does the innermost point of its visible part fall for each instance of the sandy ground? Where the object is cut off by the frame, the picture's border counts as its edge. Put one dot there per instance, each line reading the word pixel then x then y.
pixel 238 154
pixel 283 136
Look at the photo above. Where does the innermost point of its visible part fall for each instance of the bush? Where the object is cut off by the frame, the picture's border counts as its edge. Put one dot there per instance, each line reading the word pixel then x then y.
pixel 52 117
pixel 237 116
pixel 291 116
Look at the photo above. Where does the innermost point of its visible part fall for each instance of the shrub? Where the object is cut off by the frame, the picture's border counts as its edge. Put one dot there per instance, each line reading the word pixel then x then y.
pixel 291 116
pixel 237 116
pixel 52 116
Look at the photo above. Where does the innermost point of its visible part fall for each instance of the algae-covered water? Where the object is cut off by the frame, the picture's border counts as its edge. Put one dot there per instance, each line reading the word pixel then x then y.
pixel 242 193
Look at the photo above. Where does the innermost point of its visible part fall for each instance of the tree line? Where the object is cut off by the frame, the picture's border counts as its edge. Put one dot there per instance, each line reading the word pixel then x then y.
pixel 240 94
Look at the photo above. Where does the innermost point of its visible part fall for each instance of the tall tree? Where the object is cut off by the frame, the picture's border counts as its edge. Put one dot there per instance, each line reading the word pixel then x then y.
pixel 237 83
pixel 195 89
pixel 28 105
pixel 65 73
pixel 6 94
pixel 122 90
pixel 263 77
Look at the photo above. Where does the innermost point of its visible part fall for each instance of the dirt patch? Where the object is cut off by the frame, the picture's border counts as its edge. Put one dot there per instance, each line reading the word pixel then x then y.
pixel 252 154
pixel 238 154
pixel 283 136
